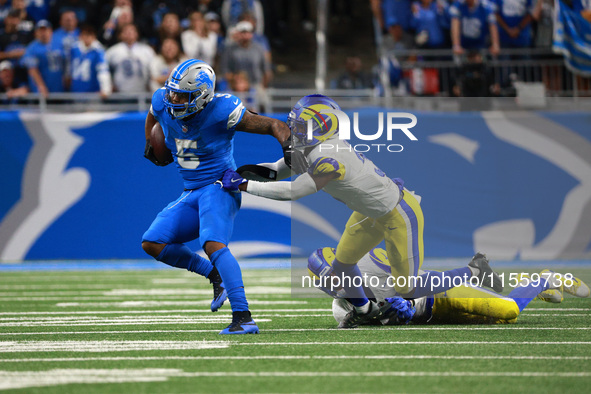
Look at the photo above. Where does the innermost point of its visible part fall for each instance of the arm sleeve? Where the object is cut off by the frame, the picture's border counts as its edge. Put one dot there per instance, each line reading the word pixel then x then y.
pixel 283 171
pixel 103 75
pixel 284 191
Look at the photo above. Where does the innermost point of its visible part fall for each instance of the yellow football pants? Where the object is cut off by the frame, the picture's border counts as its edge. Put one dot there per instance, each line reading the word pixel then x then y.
pixel 465 304
pixel 402 231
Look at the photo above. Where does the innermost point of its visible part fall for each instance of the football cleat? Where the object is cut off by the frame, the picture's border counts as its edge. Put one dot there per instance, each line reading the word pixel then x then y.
pixel 551 295
pixel 355 319
pixel 570 285
pixel 242 323
pixel 486 276
pixel 219 296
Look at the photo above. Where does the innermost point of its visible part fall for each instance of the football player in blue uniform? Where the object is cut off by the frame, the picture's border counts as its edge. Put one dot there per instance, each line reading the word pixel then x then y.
pixel 199 129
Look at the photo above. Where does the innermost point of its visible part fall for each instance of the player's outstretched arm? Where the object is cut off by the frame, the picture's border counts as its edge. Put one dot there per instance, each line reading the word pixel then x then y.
pixel 304 185
pixel 258 124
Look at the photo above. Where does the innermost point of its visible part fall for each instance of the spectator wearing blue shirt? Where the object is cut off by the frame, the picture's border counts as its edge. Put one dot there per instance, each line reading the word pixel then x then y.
pixel 88 69
pixel 472 21
pixel 397 17
pixel 68 31
pixel 38 9
pixel 428 19
pixel 44 59
pixel 514 18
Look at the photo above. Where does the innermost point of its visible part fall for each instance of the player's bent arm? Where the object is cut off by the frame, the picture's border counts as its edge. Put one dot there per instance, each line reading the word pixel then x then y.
pixel 150 122
pixel 303 186
pixel 257 124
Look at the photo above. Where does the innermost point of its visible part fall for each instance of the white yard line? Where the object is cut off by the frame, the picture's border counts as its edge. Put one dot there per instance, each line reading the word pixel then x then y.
pixel 113 346
pixel 294 357
pixel 132 321
pixel 397 328
pixel 149 311
pixel 143 304
pixel 107 346
pixel 54 377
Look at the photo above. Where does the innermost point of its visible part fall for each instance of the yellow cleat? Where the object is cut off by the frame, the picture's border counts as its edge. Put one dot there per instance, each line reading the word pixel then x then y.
pixel 564 283
pixel 551 295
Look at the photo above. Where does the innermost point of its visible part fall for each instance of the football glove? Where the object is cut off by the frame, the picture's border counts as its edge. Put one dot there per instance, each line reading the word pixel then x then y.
pixel 231 180
pixel 149 154
pixel 401 308
pixel 294 158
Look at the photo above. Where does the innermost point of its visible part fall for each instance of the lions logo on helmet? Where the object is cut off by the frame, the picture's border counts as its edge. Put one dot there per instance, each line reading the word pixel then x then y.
pixel 309 110
pixel 189 88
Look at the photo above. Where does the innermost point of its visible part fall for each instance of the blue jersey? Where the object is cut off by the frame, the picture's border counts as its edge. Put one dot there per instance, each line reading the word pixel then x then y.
pixel 67 38
pixel 38 9
pixel 203 145
pixel 396 12
pixel 431 21
pixel 513 12
pixel 50 60
pixel 474 22
pixel 86 65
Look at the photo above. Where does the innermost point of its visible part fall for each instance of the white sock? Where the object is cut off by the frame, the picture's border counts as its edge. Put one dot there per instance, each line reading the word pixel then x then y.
pixel 362 309
pixel 475 271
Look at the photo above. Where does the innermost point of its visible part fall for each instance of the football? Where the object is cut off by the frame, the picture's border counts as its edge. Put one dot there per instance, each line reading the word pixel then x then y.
pixel 161 151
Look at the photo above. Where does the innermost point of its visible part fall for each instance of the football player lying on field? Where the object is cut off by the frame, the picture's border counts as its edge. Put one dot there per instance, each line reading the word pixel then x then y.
pixel 461 304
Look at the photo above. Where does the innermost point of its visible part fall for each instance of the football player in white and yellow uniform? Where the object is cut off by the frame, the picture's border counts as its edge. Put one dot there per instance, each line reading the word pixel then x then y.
pixel 461 304
pixel 383 210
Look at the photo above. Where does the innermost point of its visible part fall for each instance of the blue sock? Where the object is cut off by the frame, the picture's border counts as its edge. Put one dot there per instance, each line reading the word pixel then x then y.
pixel 523 295
pixel 355 295
pixel 429 285
pixel 231 274
pixel 180 256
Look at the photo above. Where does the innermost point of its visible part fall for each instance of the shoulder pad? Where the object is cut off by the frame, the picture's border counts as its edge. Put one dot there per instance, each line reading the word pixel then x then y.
pixel 158 100
pixel 327 165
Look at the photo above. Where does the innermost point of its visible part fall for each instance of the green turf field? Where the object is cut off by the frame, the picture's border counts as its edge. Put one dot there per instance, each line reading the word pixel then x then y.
pixel 151 331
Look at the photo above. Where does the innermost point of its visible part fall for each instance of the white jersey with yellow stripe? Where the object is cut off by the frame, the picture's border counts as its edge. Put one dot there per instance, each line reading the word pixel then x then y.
pixel 361 185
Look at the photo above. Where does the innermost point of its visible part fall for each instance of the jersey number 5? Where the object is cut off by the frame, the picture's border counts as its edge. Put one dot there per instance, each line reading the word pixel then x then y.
pixel 186 152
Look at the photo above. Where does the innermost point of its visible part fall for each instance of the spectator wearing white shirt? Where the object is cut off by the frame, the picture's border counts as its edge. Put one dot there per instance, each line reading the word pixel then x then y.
pixel 199 42
pixel 169 57
pixel 129 62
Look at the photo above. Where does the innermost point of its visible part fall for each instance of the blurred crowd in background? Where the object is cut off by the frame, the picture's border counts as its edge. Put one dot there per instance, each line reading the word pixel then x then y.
pixel 124 46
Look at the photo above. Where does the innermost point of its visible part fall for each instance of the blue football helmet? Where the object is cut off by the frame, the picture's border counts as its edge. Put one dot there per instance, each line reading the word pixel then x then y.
pixel 189 88
pixel 324 126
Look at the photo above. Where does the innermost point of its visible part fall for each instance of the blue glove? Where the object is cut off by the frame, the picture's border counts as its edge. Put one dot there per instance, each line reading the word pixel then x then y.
pixel 231 180
pixel 403 309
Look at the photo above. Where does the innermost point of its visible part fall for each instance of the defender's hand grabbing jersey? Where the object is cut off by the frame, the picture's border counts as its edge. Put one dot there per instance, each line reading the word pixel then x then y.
pixel 203 145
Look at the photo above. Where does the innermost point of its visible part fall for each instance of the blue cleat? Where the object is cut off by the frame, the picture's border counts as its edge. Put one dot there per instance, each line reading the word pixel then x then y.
pixel 219 296
pixel 242 323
